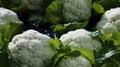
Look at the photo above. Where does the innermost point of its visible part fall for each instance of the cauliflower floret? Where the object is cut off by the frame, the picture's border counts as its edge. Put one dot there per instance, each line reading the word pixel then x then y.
pixel 75 10
pixel 7 16
pixel 110 21
pixel 74 62
pixel 30 49
pixel 80 38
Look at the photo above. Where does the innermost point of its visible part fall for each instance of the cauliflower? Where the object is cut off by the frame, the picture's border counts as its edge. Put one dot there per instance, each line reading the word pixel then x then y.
pixel 80 38
pixel 68 11
pixel 7 16
pixel 9 25
pixel 74 62
pixel 30 49
pixel 110 21
pixel 75 10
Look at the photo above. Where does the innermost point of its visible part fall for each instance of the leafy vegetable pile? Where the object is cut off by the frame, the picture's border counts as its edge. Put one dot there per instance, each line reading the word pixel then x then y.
pixel 75 32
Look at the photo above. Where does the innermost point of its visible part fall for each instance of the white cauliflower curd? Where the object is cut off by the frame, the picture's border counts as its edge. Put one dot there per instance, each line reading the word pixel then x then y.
pixel 7 16
pixel 74 62
pixel 110 21
pixel 80 38
pixel 75 10
pixel 30 49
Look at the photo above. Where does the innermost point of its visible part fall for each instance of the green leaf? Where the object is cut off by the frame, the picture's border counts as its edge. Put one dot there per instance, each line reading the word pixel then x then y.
pixel 8 32
pixel 60 29
pixel 55 59
pixel 86 53
pixel 114 63
pixel 76 25
pixel 106 37
pixel 54 12
pixel 63 49
pixel 19 9
pixel 109 55
pixel 98 8
pixel 108 4
pixel 110 59
pixel 12 29
pixel 108 45
pixel 74 53
pixel 54 43
pixel 61 52
pixel 112 37
pixel 116 38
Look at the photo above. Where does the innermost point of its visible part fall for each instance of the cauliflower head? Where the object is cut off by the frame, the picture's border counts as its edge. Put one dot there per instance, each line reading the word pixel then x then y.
pixel 30 49
pixel 7 16
pixel 74 62
pixel 110 21
pixel 75 10
pixel 80 38
pixel 68 11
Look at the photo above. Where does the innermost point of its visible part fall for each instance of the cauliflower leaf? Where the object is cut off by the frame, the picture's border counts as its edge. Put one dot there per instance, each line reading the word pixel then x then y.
pixel 60 29
pixel 53 12
pixel 61 52
pixel 8 32
pixel 107 4
pixel 98 8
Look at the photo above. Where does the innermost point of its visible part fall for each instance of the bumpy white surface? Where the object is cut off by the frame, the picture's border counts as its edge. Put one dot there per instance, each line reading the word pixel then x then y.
pixel 110 21
pixel 80 38
pixel 76 10
pixel 74 62
pixel 7 16
pixel 30 49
